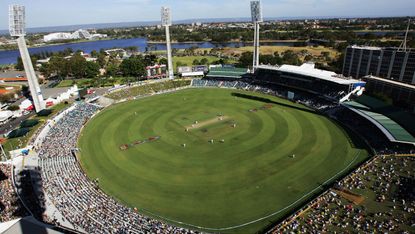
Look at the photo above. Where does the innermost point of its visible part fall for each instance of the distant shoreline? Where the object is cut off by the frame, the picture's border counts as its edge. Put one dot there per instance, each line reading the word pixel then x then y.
pixel 155 42
pixel 60 43
pixel 232 41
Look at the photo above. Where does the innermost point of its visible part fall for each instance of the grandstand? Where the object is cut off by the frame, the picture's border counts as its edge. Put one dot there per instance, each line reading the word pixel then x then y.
pixel 392 130
pixel 307 78
pixel 226 72
pixel 402 95
pixel 90 210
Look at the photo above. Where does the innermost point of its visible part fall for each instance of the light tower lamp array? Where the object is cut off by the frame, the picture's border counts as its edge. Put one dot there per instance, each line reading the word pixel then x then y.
pixel 17 30
pixel 256 13
pixel 167 22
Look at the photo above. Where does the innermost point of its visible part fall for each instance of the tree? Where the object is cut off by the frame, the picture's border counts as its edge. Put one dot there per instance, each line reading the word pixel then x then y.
pixel 308 58
pixel 112 69
pixel 220 61
pixel 270 59
pixel 92 69
pixel 133 66
pixel 204 61
pixel 196 62
pixel 58 66
pixel 174 51
pixel 180 64
pixel 13 108
pixel 25 90
pixel 290 57
pixel 19 65
pixel 94 54
pixel 6 97
pixel 150 60
pixel 245 60
pixel 102 59
pixel 131 49
pixel 77 65
pixel 163 61
pixel 68 51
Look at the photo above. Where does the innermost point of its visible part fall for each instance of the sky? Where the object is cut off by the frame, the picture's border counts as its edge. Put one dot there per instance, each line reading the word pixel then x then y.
pixel 44 13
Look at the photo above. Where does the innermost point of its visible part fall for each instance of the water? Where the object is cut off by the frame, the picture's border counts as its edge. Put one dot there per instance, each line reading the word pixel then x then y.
pixel 10 56
pixel 381 33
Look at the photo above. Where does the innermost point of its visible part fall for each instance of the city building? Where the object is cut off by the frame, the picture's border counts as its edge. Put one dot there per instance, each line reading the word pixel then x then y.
pixel 79 34
pixel 388 63
pixel 156 71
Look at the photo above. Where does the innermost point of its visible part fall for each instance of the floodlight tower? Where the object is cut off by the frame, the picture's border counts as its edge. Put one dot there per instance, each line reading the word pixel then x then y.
pixel 403 46
pixel 256 13
pixel 17 30
pixel 166 22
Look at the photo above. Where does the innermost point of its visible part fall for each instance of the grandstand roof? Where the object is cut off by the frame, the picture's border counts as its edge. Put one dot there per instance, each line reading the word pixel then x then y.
pixel 392 82
pixel 308 69
pixel 227 72
pixel 365 47
pixel 390 128
pixel 25 225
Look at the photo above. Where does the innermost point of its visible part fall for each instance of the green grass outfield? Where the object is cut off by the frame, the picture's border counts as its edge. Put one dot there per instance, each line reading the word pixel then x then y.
pixel 225 187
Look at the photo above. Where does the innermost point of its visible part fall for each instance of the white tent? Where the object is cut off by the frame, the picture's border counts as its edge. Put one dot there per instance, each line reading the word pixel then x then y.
pixel 5 115
pixel 25 104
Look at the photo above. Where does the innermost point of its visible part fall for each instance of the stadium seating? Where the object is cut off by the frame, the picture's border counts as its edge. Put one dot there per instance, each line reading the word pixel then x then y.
pixel 10 205
pixel 146 89
pixel 90 210
pixel 78 198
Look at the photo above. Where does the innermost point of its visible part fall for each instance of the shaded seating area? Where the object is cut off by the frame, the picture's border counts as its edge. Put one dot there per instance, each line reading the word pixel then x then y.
pixel 227 72
pixel 393 131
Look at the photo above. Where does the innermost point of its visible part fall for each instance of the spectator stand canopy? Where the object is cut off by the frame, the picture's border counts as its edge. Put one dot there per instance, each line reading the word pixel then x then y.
pixel 308 69
pixel 26 225
pixel 392 130
pixel 227 72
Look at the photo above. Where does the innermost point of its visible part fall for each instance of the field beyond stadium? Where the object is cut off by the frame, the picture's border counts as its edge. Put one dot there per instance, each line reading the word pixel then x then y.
pixel 246 162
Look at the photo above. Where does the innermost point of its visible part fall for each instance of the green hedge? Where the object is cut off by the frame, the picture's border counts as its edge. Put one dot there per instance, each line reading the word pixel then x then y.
pixel 29 123
pixel 18 133
pixel 44 113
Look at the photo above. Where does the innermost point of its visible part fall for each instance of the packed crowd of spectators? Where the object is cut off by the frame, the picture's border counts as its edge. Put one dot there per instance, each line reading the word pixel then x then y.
pixel 84 205
pixel 147 89
pixel 79 199
pixel 10 205
pixel 267 88
pixel 329 89
pixel 389 206
pixel 370 133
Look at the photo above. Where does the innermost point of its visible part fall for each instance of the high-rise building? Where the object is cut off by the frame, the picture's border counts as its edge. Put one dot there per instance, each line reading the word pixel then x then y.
pixel 388 63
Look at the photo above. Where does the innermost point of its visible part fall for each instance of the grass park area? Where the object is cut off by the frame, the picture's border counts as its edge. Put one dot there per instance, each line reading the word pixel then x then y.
pixel 232 174
pixel 315 51
pixel 70 83
pixel 188 60
pixel 99 82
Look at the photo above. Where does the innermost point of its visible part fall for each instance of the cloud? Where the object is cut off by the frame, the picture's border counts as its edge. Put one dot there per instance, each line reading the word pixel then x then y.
pixel 64 12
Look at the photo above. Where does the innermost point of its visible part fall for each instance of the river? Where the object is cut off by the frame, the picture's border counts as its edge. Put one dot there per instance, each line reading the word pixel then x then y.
pixel 10 56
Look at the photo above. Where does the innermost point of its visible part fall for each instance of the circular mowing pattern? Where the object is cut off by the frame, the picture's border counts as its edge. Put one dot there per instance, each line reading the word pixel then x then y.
pixel 276 156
